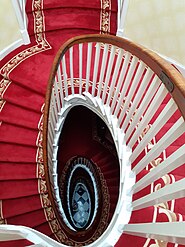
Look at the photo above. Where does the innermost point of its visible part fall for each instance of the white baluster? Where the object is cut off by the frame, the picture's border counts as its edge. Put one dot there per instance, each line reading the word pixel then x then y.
pixel 121 78
pixel 65 75
pixel 80 68
pixel 143 106
pixel 71 68
pixel 167 193
pixel 59 74
pixel 89 53
pixel 102 71
pixel 57 95
pixel 50 132
pixel 96 65
pixel 130 73
pixel 53 103
pixel 165 231
pixel 115 75
pixel 108 72
pixel 160 121
pixel 173 133
pixel 132 91
pixel 156 102
pixel 175 160
pixel 138 97
pixel 52 121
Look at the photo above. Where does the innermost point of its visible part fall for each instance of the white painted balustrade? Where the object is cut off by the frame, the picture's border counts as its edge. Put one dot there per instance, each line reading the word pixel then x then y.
pixel 126 93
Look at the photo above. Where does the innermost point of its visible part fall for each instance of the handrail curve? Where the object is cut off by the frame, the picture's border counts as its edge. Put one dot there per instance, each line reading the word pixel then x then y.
pixel 154 61
pixel 172 82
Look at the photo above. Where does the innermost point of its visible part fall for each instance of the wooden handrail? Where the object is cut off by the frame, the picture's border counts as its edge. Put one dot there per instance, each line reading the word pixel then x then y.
pixel 171 78
pixel 150 58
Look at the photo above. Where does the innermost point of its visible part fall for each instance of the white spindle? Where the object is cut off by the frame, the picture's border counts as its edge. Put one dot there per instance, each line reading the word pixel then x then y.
pixel 54 104
pixel 151 110
pixel 52 121
pixel 57 95
pixel 108 72
pixel 71 68
pixel 167 193
pixel 80 67
pixel 96 65
pixel 143 106
pixel 132 91
pixel 173 133
pixel 138 97
pixel 115 75
pixel 165 231
pixel 102 71
pixel 50 133
pixel 50 141
pixel 59 75
pixel 65 75
pixel 89 53
pixel 175 160
pixel 160 121
pixel 131 69
pixel 121 78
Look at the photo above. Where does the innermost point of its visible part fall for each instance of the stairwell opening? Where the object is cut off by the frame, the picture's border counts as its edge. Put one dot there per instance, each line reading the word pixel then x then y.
pixel 88 167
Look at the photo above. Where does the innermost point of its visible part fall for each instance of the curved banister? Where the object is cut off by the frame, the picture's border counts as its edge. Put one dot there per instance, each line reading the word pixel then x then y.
pixel 170 77
pixel 154 61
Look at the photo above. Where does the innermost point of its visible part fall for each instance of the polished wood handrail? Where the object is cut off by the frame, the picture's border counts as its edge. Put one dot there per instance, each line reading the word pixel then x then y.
pixel 165 71
pixel 150 58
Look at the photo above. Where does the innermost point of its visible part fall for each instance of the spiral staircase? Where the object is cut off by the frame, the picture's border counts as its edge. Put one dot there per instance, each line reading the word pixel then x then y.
pixel 47 101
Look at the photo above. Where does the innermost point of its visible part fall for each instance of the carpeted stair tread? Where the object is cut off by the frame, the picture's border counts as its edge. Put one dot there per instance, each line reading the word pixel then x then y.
pixel 19 135
pixel 164 130
pixel 98 155
pixel 31 219
pixel 17 153
pixel 17 115
pixel 18 188
pixel 112 173
pixel 17 171
pixel 45 229
pixel 81 18
pixel 36 73
pixel 24 97
pixel 113 190
pixel 21 205
pixel 128 240
pixel 105 160
pixel 112 181
pixel 171 149
pixel 106 166
pixel 49 4
pixel 180 171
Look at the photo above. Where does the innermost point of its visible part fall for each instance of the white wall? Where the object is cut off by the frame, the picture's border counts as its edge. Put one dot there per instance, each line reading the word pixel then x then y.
pixel 158 25
pixel 9 29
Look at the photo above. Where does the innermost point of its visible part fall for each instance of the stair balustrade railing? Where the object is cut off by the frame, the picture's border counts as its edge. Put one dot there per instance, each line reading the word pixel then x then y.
pixel 136 93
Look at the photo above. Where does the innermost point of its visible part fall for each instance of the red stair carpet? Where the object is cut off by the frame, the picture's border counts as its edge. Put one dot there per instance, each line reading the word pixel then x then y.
pixel 23 80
